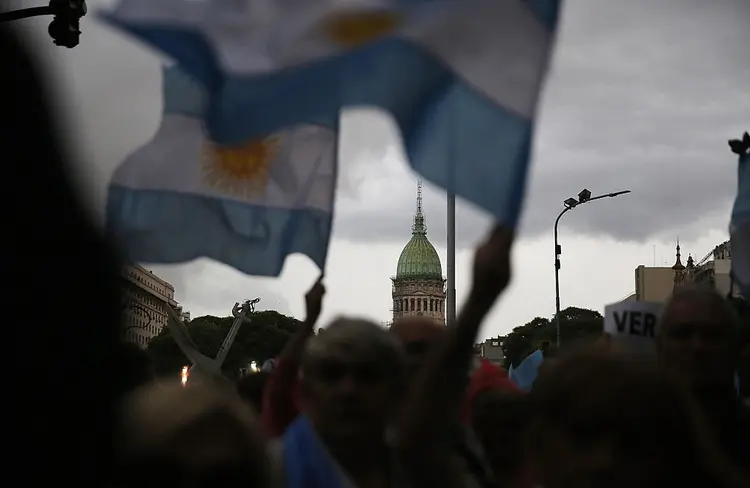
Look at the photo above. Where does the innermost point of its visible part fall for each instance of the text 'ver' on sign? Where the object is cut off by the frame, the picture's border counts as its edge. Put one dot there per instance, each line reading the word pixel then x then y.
pixel 633 325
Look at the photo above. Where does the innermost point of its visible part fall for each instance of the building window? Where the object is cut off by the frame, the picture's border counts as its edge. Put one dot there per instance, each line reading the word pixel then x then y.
pixel 411 305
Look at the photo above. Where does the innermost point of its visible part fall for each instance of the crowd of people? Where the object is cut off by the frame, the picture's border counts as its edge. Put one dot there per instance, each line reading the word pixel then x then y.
pixel 356 406
pixel 362 406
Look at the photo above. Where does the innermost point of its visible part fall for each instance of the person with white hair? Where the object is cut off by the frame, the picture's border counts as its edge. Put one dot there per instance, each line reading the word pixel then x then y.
pixel 351 383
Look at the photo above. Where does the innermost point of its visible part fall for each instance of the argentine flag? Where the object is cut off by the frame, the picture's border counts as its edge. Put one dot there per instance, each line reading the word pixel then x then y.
pixel 461 77
pixel 739 227
pixel 183 196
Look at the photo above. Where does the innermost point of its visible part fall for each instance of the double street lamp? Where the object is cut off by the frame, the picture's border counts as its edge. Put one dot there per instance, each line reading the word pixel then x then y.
pixel 570 204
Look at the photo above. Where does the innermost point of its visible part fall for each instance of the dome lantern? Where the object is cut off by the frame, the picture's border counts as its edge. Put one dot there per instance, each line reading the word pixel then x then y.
pixel 419 259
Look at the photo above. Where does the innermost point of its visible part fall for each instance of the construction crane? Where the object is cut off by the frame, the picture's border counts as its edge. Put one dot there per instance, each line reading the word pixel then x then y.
pixel 711 254
pixel 705 259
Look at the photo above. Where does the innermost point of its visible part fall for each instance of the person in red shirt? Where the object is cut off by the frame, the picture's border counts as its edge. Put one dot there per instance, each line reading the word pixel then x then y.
pixel 486 376
pixel 498 413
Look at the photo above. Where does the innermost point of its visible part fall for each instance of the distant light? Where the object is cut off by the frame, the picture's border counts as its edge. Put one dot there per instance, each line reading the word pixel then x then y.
pixel 254 366
pixel 184 375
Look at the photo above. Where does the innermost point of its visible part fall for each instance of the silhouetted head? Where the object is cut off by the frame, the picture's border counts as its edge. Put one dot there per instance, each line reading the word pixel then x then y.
pixel 351 381
pixel 418 335
pixel 604 421
pixel 699 338
pixel 136 364
pixel 193 436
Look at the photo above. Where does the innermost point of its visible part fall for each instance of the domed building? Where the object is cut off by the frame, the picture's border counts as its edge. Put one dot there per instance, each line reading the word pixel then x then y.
pixel 419 286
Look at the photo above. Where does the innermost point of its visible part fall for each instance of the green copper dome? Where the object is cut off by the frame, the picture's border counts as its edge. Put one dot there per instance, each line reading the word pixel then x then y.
pixel 419 259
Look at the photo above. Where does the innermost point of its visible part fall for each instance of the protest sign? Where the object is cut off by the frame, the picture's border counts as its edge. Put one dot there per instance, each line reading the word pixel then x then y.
pixel 633 326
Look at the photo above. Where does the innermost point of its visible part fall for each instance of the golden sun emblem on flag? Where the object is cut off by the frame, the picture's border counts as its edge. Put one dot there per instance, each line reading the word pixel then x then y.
pixel 354 29
pixel 242 170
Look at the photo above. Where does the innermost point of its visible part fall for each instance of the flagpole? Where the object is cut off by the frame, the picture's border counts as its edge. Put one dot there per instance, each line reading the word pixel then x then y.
pixel 451 265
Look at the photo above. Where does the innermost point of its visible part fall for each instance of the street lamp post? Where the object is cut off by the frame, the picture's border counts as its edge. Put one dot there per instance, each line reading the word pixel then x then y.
pixel 570 204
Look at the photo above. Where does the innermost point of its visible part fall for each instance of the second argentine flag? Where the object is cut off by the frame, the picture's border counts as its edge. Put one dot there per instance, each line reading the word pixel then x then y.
pixel 182 196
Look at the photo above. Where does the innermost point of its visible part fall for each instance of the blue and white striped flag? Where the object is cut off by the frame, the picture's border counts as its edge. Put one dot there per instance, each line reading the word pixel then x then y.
pixel 525 374
pixel 461 77
pixel 739 227
pixel 182 197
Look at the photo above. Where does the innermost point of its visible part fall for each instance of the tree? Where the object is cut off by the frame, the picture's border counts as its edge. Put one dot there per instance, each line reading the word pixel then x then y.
pixel 520 342
pixel 261 339
pixel 576 325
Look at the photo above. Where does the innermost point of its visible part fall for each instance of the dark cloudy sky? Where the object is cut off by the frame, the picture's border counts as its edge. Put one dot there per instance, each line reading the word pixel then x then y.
pixel 643 95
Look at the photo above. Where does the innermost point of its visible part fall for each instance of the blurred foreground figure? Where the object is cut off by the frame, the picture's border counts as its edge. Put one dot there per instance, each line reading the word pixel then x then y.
pixel 699 344
pixel 194 436
pixel 601 421
pixel 250 388
pixel 500 419
pixel 137 366
pixel 418 336
pixel 65 375
pixel 351 385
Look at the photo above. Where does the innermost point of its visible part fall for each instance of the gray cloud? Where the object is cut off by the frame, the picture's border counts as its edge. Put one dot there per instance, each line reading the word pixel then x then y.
pixel 642 96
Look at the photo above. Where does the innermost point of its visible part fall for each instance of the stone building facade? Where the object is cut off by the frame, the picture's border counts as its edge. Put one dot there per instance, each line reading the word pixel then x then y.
pixel 714 270
pixel 656 284
pixel 145 298
pixel 492 350
pixel 418 288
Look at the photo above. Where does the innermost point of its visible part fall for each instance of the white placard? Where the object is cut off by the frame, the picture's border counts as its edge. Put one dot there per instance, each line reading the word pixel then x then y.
pixel 633 326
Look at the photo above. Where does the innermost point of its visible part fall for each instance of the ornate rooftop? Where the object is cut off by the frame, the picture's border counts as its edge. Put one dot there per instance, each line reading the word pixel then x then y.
pixel 419 260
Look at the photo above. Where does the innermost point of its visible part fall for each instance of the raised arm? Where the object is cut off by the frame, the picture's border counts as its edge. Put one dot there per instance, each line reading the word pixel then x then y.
pixel 428 426
pixel 279 408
